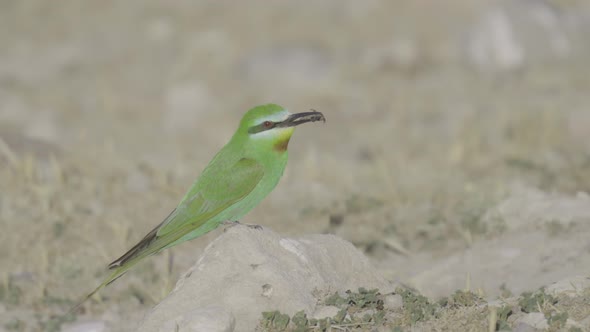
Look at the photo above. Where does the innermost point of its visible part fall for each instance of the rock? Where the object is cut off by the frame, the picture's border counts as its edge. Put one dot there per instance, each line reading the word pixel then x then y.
pixel 393 301
pixel 90 326
pixel 248 271
pixel 43 127
pixel 529 206
pixel 160 30
pixel 578 122
pixel 296 65
pixel 536 320
pixel 369 312
pixel 571 287
pixel 585 323
pixel 325 311
pixel 14 110
pixel 523 327
pixel 526 256
pixel 512 34
pixel 401 53
pixel 37 66
pixel 15 145
pixel 138 182
pixel 572 324
pixel 493 45
pixel 211 319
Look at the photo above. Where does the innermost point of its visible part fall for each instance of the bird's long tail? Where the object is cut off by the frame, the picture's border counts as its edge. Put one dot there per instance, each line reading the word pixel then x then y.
pixel 127 261
pixel 116 274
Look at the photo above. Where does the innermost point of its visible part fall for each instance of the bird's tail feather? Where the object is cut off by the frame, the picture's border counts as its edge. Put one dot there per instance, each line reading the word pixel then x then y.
pixel 116 274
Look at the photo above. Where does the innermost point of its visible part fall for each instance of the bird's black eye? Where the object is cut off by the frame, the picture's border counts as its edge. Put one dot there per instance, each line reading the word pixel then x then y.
pixel 267 124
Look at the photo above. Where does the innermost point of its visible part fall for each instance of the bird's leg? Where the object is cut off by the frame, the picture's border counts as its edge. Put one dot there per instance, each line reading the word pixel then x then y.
pixel 233 223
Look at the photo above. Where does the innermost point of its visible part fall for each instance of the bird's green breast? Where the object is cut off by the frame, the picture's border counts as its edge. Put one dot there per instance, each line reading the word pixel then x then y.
pixel 273 171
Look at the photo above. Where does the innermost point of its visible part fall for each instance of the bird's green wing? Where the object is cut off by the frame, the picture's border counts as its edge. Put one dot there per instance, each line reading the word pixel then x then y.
pixel 217 191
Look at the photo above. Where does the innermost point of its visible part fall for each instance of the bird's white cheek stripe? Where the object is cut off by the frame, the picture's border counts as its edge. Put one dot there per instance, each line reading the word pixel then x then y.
pixel 273 133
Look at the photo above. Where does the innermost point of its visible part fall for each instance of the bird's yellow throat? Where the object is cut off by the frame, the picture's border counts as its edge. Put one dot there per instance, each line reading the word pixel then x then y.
pixel 282 140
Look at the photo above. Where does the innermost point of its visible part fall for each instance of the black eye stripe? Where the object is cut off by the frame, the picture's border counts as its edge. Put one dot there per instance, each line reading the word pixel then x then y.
pixel 260 128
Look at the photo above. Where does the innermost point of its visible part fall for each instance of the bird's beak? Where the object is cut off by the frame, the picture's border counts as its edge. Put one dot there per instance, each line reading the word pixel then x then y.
pixel 299 118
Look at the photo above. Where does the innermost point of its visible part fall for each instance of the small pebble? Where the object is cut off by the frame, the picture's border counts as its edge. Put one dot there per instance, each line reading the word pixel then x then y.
pixel 536 320
pixel 325 311
pixel 393 301
pixel 90 326
pixel 211 319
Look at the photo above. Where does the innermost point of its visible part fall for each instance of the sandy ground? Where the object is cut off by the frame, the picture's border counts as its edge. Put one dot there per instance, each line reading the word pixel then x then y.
pixel 440 132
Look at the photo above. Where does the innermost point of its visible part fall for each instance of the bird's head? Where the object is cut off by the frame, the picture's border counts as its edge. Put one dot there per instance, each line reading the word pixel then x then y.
pixel 273 125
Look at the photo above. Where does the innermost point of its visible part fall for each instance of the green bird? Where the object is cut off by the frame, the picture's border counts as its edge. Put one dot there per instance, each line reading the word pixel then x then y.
pixel 242 173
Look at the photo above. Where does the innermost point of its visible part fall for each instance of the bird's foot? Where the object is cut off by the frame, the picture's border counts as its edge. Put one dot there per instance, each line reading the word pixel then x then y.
pixel 253 226
pixel 234 223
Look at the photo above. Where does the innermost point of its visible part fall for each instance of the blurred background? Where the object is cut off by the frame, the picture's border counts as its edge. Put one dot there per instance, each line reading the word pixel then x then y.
pixel 455 151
